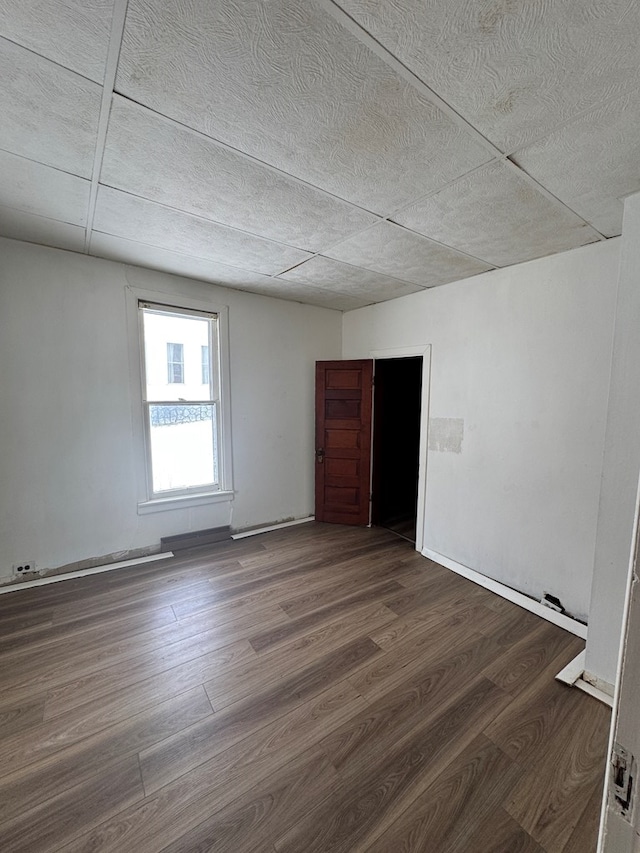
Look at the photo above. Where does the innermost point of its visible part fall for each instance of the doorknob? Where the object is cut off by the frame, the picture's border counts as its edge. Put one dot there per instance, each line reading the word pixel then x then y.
pixel 320 454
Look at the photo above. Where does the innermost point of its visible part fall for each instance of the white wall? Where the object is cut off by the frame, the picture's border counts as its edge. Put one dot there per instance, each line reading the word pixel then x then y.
pixel 522 357
pixel 68 489
pixel 621 462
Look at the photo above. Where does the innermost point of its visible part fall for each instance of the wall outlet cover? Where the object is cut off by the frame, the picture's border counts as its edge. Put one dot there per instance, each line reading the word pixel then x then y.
pixel 28 567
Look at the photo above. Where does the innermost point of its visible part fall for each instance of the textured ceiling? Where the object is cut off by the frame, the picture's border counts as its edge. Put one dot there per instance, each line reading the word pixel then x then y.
pixel 335 153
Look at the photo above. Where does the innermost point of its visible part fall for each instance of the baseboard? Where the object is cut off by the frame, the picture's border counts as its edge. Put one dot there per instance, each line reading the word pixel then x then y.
pixel 519 598
pixel 573 670
pixel 598 683
pixel 575 676
pixel 254 531
pixel 583 685
pixel 195 538
pixel 81 573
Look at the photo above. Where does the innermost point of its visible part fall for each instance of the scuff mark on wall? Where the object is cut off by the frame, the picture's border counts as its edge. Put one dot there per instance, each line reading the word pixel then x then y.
pixel 446 435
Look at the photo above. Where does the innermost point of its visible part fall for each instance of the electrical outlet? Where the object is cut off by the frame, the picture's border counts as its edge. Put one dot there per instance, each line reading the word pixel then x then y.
pixel 553 602
pixel 28 567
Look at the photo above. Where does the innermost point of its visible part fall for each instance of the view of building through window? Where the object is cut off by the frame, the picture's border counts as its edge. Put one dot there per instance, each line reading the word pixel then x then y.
pixel 180 398
pixel 175 363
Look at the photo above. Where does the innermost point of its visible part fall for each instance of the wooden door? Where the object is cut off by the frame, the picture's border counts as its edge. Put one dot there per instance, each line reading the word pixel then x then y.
pixel 344 392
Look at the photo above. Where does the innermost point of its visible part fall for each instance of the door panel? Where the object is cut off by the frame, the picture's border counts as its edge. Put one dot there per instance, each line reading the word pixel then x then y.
pixel 343 440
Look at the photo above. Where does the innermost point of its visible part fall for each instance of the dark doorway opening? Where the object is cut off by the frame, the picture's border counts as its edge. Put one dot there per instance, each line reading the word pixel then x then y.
pixel 396 444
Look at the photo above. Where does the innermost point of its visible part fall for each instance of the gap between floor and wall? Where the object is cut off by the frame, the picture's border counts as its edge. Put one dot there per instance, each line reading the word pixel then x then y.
pixel 140 556
pixel 574 673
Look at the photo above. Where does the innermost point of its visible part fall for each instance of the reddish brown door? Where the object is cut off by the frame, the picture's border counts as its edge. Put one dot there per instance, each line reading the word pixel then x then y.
pixel 343 440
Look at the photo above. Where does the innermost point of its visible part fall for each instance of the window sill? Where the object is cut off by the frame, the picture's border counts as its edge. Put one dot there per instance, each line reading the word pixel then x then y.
pixel 183 502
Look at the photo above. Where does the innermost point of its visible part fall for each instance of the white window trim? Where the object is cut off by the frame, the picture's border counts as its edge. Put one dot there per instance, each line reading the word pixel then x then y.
pixel 145 503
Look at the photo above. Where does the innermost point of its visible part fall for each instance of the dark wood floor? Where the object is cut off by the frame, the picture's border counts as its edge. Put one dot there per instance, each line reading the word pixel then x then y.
pixel 313 689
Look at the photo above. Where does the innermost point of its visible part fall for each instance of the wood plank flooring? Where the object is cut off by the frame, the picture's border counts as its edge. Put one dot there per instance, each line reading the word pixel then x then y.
pixel 313 689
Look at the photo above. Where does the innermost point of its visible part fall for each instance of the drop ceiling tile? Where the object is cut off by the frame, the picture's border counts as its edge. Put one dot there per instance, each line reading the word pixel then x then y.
pixel 389 249
pixel 151 257
pixel 73 33
pixel 359 283
pixel 284 82
pixel 498 216
pixel 512 69
pixel 592 162
pixel 34 188
pixel 298 292
pixel 18 225
pixel 154 257
pixel 192 173
pixel 124 215
pixel 48 114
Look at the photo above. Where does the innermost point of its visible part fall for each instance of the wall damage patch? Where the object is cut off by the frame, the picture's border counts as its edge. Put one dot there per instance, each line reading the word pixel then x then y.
pixel 446 435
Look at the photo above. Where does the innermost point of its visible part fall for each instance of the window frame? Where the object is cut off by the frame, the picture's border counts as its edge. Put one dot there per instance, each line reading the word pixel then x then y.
pixel 149 501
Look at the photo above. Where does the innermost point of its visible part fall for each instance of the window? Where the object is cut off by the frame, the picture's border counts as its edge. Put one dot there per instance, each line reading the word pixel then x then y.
pixel 205 368
pixel 175 363
pixel 181 400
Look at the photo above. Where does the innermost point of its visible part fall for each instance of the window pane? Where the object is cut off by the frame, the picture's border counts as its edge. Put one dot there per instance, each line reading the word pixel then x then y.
pixel 173 356
pixel 184 446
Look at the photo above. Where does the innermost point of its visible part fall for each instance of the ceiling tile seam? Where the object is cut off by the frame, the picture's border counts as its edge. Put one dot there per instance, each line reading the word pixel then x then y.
pixel 569 121
pixel 281 298
pixel 350 24
pixel 447 246
pixel 383 53
pixel 353 266
pixel 220 263
pixel 187 256
pixel 52 61
pixel 406 228
pixel 212 221
pixel 41 215
pixel 529 179
pixel 389 216
pixel 244 289
pixel 245 156
pixel 315 286
pixel 46 165
pixel 309 287
pixel 332 246
pixel 369 40
pixel 295 266
pixel 111 68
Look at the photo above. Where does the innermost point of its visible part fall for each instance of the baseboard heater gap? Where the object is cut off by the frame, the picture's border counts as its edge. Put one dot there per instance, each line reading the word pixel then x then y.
pixel 195 538
pixel 81 573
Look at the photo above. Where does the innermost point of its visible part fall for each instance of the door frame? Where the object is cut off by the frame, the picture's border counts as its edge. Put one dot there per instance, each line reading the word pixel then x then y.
pixel 408 352
pixel 617 834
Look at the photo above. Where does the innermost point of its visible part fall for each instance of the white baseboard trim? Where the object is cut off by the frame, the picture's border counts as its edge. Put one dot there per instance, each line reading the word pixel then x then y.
pixel 594 691
pixel 81 573
pixel 572 675
pixel 573 670
pixel 598 683
pixel 256 530
pixel 559 619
